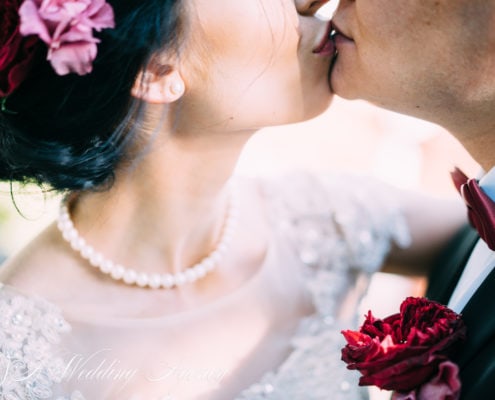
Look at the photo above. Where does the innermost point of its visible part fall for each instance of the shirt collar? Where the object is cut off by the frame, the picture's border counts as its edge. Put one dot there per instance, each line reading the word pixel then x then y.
pixel 487 183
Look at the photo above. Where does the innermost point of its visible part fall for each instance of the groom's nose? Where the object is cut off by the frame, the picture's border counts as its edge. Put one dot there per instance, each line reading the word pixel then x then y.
pixel 309 7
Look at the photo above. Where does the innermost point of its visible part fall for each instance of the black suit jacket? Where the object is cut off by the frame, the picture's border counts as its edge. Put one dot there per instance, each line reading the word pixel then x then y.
pixel 476 357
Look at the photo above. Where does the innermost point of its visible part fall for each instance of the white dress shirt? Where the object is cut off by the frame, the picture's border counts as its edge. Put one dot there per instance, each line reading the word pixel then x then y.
pixel 481 261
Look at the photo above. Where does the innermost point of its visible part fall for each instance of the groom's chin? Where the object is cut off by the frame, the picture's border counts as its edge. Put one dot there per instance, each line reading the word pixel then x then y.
pixel 330 74
pixel 324 106
pixel 346 91
pixel 345 81
pixel 343 88
pixel 312 109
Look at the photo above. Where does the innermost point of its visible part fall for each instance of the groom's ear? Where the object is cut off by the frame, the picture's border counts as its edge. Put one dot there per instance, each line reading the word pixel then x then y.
pixel 159 84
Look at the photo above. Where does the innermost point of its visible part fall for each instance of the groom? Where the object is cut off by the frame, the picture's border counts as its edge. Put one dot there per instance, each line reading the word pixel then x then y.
pixel 435 59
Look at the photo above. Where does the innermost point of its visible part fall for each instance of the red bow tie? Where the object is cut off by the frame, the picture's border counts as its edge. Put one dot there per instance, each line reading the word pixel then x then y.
pixel 481 209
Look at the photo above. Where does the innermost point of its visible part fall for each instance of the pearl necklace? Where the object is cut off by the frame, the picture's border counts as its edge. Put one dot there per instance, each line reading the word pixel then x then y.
pixel 154 281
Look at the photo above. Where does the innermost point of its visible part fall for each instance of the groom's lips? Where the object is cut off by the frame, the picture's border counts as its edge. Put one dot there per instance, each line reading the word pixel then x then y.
pixel 327 45
pixel 339 36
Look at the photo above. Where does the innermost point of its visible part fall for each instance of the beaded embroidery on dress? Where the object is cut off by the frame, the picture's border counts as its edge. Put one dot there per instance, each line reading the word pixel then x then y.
pixel 30 332
pixel 340 229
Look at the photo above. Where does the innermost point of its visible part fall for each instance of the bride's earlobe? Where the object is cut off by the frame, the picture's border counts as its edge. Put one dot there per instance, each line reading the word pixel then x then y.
pixel 159 89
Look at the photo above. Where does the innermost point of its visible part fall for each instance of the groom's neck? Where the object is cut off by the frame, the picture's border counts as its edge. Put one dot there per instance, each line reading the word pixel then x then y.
pixel 480 143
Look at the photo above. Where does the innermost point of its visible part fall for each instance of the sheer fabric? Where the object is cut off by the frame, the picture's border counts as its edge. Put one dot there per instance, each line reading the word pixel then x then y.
pixel 277 337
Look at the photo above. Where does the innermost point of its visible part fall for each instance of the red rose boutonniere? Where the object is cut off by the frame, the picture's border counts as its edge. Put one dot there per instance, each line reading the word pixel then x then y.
pixel 409 352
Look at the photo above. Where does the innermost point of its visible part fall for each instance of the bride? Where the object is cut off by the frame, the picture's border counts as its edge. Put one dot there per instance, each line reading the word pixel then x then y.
pixel 165 278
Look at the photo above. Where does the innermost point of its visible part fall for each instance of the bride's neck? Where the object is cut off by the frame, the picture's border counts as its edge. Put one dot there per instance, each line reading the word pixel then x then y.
pixel 164 213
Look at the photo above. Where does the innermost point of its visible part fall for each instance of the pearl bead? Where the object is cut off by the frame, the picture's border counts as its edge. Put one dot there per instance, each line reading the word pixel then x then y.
pixel 222 248
pixel 215 257
pixel 130 276
pixel 191 275
pixel 96 259
pixel 180 279
pixel 117 272
pixel 106 266
pixel 201 270
pixel 72 234
pixel 177 88
pixel 168 281
pixel 87 252
pixel 66 235
pixel 78 244
pixel 142 280
pixel 155 281
pixel 209 264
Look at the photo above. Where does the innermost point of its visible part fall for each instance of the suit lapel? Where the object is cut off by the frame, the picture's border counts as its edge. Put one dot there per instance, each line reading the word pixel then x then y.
pixel 479 316
pixel 450 265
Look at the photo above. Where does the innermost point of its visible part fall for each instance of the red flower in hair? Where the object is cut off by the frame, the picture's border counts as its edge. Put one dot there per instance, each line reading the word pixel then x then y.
pixel 16 52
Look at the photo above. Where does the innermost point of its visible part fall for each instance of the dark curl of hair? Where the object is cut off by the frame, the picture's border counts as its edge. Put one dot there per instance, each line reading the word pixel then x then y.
pixel 72 131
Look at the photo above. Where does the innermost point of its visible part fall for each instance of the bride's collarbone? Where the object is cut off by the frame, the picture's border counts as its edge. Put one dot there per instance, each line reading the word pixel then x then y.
pixel 48 268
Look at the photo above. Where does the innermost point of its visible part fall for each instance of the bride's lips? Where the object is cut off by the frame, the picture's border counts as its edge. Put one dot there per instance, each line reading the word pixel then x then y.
pixel 327 45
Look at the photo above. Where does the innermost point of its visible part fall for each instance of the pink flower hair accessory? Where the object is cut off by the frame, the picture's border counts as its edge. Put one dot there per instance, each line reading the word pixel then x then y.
pixel 66 26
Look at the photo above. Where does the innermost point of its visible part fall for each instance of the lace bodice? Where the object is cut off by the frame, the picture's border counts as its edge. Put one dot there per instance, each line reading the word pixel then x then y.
pixel 329 234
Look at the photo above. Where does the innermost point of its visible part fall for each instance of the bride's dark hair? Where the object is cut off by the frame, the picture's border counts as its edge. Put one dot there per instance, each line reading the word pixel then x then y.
pixel 70 132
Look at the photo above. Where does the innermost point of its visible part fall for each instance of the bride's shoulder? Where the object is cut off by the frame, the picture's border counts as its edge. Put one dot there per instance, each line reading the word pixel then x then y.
pixel 337 193
pixel 33 268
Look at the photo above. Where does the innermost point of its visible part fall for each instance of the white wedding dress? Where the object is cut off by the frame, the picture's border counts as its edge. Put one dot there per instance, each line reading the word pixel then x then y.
pixel 276 338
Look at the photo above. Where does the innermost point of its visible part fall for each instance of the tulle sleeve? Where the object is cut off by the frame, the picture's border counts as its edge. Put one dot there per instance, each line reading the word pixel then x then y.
pixel 341 227
pixel 336 222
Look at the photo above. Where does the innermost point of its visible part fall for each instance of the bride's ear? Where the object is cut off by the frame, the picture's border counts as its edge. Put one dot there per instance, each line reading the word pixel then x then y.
pixel 159 86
